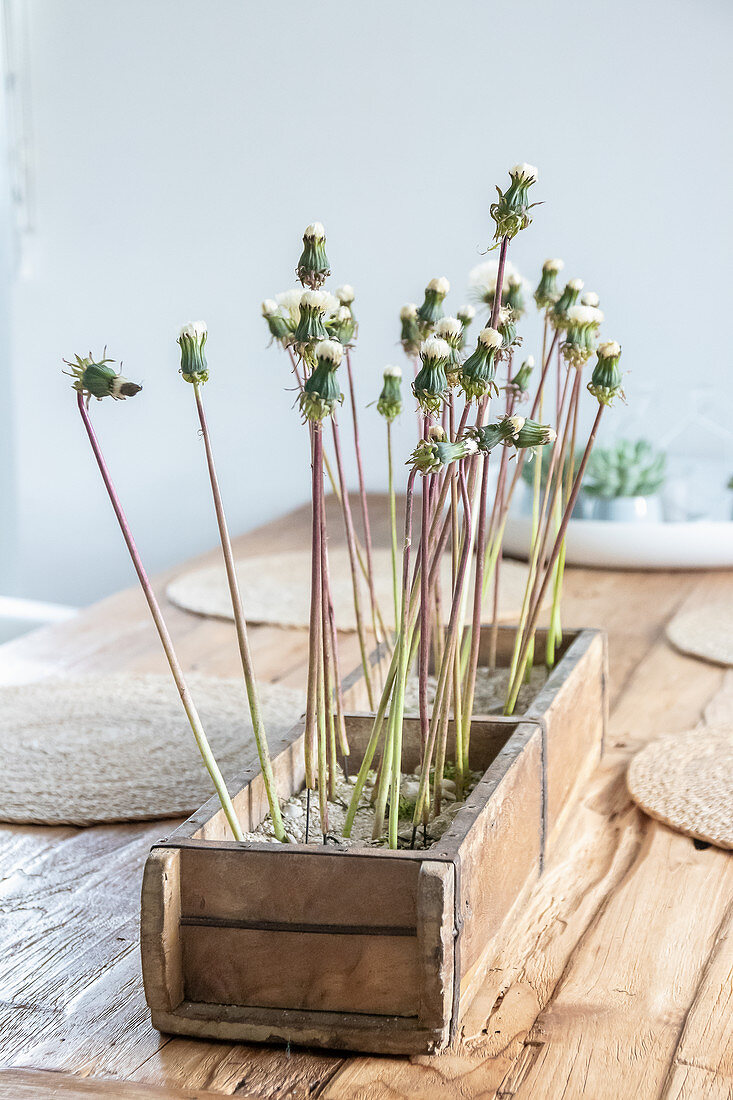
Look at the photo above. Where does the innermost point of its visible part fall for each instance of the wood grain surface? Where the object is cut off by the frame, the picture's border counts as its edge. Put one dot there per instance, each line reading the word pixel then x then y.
pixel 616 979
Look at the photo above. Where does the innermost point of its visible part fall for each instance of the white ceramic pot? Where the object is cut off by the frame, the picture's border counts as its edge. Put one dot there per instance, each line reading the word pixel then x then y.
pixel 628 509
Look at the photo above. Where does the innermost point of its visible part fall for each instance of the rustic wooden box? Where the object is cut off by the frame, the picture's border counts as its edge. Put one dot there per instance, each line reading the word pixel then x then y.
pixel 366 950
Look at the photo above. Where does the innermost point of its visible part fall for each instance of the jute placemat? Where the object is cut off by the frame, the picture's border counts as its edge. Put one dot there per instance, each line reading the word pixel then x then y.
pixel 686 781
pixel 119 748
pixel 276 589
pixel 705 631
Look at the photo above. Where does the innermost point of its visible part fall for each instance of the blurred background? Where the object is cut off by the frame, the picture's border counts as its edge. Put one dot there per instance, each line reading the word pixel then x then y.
pixel 161 158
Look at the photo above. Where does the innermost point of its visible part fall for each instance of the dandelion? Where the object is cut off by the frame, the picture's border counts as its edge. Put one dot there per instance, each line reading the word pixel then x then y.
pixel 97 378
pixel 559 312
pixel 410 337
pixel 313 268
pixel 432 308
pixel 511 212
pixel 581 329
pixel 277 321
pixel 431 385
pixel 311 318
pixel 547 292
pixel 450 329
pixel 479 370
pixel 321 391
pixel 341 325
pixel 605 383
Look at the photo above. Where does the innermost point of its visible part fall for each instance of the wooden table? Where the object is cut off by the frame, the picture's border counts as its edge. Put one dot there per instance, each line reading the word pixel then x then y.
pixel 616 981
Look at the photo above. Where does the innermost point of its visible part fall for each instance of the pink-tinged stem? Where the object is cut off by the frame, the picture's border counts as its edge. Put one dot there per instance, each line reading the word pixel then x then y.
pixel 442 699
pixel 500 492
pixel 351 546
pixel 316 616
pixel 496 304
pixel 329 617
pixel 363 496
pixel 165 638
pixel 478 588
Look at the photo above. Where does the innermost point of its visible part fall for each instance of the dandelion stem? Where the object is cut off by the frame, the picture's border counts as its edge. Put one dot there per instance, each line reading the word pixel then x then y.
pixel 316 615
pixel 165 638
pixel 351 546
pixel 553 556
pixel 363 497
pixel 393 523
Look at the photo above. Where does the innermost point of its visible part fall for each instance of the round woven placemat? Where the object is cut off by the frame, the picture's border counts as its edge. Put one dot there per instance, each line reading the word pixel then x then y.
pixel 276 589
pixel 705 631
pixel 119 748
pixel 686 781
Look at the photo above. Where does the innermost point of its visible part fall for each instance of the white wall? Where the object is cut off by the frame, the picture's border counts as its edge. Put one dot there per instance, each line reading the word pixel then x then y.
pixel 180 147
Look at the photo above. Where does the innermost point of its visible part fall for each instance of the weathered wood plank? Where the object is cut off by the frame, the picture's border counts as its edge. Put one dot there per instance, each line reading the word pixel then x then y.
pixel 32 1084
pixel 310 971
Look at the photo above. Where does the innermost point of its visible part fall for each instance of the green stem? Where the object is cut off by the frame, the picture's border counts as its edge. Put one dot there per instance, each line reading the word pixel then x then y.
pixel 393 523
pixel 553 556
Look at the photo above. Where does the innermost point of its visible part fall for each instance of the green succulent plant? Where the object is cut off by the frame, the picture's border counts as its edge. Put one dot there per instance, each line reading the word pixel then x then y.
pixel 625 470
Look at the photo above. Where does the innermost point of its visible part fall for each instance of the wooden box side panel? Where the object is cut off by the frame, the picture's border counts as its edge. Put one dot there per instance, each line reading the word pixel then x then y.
pixel 304 888
pixel 501 852
pixel 249 795
pixel 160 940
pixel 300 970
pixel 575 715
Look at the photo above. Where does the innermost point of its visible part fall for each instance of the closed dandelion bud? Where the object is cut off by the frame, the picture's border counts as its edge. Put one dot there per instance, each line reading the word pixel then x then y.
pixel 410 337
pixel 478 371
pixel 605 383
pixel 341 325
pixel 192 340
pixel 312 311
pixel 450 329
pixel 511 212
pixel 389 404
pixel 548 292
pixel 313 267
pixel 533 434
pixel 98 378
pixel 436 452
pixel 465 315
pixel 489 436
pixel 431 385
pixel 519 384
pixel 590 298
pixel 513 296
pixel 321 391
pixel 558 313
pixel 581 330
pixel 277 322
pixel 431 310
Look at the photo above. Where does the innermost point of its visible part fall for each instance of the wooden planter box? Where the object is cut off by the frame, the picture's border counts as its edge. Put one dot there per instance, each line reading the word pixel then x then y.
pixel 366 950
